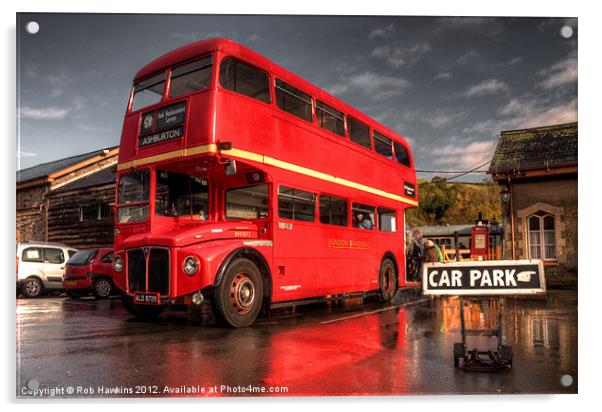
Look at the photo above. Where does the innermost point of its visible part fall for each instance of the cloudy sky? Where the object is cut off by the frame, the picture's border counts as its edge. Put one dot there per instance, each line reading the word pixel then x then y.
pixel 449 85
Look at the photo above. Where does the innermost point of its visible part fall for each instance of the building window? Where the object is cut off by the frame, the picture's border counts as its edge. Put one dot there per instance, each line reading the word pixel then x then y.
pixel 542 236
pixel 95 212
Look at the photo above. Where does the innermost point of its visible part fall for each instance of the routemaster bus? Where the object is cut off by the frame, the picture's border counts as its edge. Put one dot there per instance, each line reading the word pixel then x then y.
pixel 240 183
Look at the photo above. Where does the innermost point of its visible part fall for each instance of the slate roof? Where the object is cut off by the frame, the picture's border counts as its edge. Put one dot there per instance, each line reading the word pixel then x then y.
pixel 46 169
pixel 102 177
pixel 537 148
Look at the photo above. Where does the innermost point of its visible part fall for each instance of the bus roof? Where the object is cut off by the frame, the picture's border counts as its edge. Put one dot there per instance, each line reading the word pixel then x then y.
pixel 233 48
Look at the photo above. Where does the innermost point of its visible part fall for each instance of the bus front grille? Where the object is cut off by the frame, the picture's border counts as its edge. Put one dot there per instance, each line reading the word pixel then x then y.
pixel 157 279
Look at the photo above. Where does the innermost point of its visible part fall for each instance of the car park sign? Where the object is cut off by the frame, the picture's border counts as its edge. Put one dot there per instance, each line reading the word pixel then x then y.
pixel 493 277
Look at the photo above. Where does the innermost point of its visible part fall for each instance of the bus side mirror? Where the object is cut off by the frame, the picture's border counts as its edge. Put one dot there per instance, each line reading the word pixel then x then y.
pixel 230 168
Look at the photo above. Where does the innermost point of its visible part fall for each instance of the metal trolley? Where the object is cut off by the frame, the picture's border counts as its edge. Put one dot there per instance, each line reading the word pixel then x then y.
pixel 483 360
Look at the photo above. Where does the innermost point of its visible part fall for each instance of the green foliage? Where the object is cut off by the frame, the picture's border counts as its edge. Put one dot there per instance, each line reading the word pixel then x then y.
pixel 440 203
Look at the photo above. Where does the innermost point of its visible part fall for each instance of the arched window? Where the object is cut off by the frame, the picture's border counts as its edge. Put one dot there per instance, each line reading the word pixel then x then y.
pixel 542 236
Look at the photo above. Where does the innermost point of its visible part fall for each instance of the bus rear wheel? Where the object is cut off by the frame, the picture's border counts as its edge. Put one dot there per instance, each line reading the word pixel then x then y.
pixel 237 300
pixel 387 280
pixel 141 311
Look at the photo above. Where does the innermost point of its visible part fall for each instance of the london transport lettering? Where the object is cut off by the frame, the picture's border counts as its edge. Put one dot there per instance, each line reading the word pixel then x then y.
pixel 347 244
pixel 484 278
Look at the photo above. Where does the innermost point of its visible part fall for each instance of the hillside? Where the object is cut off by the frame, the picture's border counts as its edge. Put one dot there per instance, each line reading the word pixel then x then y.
pixel 443 203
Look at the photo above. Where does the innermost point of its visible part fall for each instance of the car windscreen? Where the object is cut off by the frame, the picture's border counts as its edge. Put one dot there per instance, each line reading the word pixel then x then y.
pixel 82 257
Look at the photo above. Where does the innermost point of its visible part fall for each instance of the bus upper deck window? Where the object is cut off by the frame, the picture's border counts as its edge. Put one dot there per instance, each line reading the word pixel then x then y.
pixel 401 154
pixel 244 79
pixel 383 145
pixel 149 91
pixel 293 101
pixel 190 77
pixel 330 119
pixel 358 132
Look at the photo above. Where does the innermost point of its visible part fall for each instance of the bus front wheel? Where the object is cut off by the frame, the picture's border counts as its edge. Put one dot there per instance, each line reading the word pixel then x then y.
pixel 237 300
pixel 387 280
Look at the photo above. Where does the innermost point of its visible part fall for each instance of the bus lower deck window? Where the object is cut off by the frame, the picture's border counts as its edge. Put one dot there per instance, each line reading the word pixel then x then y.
pixel 386 220
pixel 363 216
pixel 247 203
pixel 296 204
pixel 333 210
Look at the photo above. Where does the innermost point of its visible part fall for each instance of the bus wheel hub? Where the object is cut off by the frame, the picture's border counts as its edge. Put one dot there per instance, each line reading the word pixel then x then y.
pixel 242 293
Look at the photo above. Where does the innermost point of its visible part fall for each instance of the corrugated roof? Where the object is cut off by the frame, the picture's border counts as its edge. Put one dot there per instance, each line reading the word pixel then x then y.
pixel 447 230
pixel 102 177
pixel 540 147
pixel 46 169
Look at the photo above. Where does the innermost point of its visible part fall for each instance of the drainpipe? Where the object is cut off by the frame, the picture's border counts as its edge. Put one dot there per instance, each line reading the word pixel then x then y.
pixel 511 207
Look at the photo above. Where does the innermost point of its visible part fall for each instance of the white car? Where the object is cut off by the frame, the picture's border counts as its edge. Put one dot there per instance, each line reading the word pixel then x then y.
pixel 41 267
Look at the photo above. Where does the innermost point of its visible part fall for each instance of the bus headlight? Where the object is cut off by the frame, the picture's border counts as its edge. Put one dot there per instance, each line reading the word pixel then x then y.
pixel 118 264
pixel 191 265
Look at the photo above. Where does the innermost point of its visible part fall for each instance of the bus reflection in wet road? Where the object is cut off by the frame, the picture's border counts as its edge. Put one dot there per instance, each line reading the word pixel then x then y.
pixel 352 347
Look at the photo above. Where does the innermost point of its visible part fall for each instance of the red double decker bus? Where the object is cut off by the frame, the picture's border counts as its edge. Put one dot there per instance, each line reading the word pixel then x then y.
pixel 240 182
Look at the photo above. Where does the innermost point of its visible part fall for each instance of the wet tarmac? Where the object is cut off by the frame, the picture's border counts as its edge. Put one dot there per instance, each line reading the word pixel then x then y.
pixel 88 348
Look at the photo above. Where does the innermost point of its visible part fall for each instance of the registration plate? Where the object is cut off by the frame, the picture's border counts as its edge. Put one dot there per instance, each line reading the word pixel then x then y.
pixel 147 298
pixel 70 283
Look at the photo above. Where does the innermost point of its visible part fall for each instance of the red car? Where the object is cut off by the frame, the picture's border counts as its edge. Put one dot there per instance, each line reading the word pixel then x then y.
pixel 90 271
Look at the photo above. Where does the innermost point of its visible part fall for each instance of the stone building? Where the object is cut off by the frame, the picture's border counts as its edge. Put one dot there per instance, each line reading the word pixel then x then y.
pixel 37 185
pixel 537 173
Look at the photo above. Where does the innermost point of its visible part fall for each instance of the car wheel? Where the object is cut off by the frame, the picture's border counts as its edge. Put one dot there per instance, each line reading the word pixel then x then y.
pixel 387 280
pixel 102 288
pixel 237 300
pixel 31 288
pixel 141 311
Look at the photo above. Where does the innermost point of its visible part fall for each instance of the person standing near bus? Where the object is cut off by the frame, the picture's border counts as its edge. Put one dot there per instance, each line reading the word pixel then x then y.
pixel 430 252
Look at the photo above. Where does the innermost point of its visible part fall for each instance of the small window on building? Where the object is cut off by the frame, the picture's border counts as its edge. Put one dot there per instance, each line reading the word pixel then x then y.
pixel 52 255
pixel 247 203
pixel 401 154
pixel 32 254
pixel 358 132
pixel 96 211
pixel 294 101
pixel 383 145
pixel 333 210
pixel 363 216
pixel 244 79
pixel 296 204
pixel 330 119
pixel 542 236
pixel 149 91
pixel 190 77
pixel 387 220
